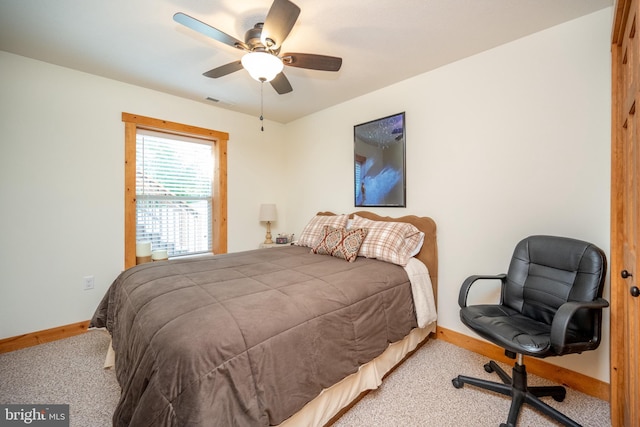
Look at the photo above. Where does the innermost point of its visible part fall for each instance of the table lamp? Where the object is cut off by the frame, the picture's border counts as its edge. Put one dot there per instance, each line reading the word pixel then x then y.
pixel 268 214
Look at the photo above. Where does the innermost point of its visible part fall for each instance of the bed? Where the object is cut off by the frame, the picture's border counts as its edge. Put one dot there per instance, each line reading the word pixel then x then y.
pixel 283 336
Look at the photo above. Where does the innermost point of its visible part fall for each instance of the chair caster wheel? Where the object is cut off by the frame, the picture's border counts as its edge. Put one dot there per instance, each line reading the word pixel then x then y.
pixel 457 383
pixel 559 397
pixel 488 368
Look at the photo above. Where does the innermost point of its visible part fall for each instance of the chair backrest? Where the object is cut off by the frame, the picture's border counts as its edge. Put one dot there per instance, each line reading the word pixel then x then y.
pixel 547 271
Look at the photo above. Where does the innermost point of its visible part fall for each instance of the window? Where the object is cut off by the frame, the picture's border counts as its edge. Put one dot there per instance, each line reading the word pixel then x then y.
pixel 175 187
pixel 174 193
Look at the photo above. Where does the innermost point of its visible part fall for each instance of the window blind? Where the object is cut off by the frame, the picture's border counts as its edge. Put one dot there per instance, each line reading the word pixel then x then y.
pixel 173 192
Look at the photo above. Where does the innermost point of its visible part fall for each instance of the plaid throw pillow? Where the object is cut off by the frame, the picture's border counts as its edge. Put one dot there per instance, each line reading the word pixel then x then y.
pixel 312 233
pixel 340 243
pixel 394 242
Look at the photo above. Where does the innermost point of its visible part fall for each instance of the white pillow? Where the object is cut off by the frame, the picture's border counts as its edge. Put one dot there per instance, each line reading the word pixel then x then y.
pixel 394 242
pixel 312 232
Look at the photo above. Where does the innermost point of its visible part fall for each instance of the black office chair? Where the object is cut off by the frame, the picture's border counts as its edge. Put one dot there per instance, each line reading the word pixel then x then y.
pixel 551 304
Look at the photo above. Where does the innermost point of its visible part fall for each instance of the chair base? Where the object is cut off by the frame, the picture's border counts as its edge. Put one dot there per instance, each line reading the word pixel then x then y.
pixel 516 387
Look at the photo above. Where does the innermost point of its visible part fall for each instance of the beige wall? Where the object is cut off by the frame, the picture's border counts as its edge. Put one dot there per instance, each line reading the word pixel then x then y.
pixel 61 185
pixel 511 142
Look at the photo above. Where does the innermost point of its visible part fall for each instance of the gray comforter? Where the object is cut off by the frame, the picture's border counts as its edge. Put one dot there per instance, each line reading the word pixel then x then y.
pixel 247 338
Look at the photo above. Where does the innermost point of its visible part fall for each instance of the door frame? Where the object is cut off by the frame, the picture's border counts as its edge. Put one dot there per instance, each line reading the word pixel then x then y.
pixel 619 347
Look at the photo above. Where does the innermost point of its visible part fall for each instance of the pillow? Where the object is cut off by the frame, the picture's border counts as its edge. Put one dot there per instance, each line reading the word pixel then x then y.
pixel 394 242
pixel 340 242
pixel 312 233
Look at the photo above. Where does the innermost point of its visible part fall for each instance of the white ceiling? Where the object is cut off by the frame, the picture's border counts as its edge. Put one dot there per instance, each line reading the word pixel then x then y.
pixel 381 42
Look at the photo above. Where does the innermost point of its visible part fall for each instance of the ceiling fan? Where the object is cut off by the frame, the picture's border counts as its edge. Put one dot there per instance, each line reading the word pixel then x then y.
pixel 262 45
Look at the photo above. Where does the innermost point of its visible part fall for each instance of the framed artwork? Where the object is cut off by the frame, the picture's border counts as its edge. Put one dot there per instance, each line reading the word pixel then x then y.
pixel 379 162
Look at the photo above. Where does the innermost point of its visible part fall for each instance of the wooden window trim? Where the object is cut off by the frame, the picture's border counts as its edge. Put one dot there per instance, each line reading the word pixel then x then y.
pixel 133 122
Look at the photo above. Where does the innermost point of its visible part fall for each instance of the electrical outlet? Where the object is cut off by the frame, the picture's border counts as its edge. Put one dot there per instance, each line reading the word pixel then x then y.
pixel 88 282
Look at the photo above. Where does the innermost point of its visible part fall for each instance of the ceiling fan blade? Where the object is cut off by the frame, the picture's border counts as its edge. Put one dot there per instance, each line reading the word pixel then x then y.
pixel 281 84
pixel 224 70
pixel 279 22
pixel 208 30
pixel 312 61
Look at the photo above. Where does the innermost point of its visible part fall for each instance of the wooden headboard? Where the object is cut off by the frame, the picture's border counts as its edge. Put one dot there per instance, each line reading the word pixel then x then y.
pixel 429 252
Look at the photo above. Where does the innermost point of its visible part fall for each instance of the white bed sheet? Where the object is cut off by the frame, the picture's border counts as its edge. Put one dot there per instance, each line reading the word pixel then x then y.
pixel 422 290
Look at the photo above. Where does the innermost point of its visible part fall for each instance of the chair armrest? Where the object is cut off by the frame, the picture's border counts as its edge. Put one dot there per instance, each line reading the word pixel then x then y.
pixel 563 316
pixel 466 285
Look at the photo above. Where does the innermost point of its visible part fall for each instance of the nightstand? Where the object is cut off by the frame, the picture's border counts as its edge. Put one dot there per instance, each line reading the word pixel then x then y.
pixel 268 245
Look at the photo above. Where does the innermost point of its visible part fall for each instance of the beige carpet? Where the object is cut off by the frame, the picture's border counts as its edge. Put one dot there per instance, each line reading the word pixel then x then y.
pixel 419 393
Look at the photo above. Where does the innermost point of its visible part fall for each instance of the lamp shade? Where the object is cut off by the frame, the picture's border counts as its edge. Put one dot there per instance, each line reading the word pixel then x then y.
pixel 262 66
pixel 267 212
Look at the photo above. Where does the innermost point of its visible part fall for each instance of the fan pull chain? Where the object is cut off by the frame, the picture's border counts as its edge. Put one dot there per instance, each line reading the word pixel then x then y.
pixel 262 104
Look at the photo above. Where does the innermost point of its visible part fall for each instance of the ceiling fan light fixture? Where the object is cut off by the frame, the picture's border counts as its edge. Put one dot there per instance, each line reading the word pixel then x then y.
pixel 262 66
